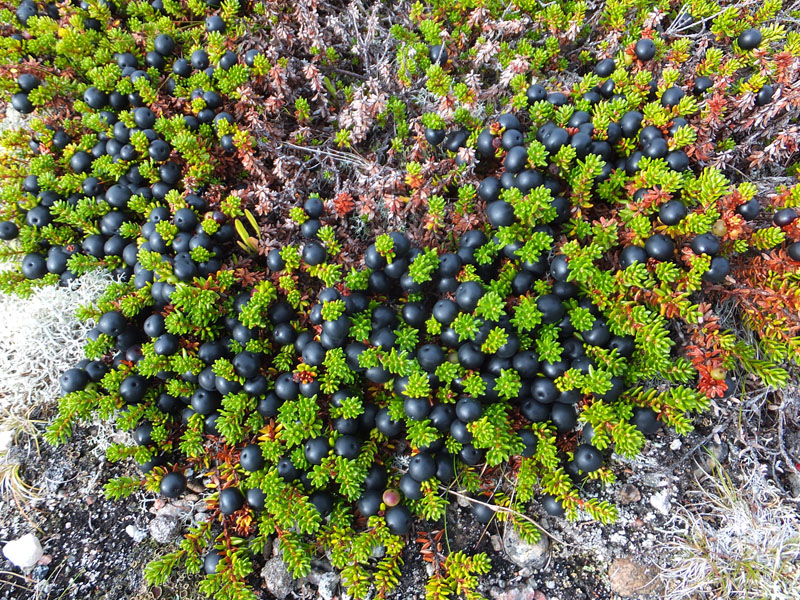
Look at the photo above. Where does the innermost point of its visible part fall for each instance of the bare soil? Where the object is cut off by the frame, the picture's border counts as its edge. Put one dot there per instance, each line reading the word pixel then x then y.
pixel 87 551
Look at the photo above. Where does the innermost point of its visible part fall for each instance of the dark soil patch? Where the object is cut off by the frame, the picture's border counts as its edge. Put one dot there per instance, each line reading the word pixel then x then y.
pixel 82 533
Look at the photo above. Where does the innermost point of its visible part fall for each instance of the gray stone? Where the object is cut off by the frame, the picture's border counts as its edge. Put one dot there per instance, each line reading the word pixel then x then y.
pixel 325 580
pixel 42 589
pixel 655 480
pixel 327 586
pixel 719 451
pixel 276 577
pixel 794 484
pixel 177 509
pixel 524 554
pixel 164 529
pixel 13 119
pixel 709 457
pixel 518 592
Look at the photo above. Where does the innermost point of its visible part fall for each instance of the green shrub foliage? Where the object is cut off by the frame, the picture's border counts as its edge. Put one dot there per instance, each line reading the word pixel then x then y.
pixel 529 280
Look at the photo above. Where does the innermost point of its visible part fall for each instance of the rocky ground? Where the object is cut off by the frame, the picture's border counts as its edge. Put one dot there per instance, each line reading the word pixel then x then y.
pixel 96 548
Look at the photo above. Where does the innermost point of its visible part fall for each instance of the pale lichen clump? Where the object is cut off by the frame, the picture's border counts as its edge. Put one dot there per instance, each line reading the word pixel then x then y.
pixel 42 338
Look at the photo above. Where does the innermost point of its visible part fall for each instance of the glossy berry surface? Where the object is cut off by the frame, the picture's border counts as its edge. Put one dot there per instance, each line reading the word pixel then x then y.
pixel 172 485
pixel 230 500
pixel 422 467
pixel 552 506
pixel 749 39
pixel 398 519
pixel 251 458
pixel 645 49
pixel 588 458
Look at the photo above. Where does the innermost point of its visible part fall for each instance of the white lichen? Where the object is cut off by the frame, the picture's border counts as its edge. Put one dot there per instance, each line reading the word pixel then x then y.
pixel 41 338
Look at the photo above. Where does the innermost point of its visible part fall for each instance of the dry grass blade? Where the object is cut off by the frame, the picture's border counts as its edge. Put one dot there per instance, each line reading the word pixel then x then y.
pixel 735 543
pixel 13 485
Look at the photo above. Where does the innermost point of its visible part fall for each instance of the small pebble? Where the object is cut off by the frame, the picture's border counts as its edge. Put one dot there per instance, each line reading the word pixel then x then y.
pixel 40 572
pixel 135 533
pixel 629 494
pixel 794 484
pixel 661 501
pixel 24 552
pixel 463 502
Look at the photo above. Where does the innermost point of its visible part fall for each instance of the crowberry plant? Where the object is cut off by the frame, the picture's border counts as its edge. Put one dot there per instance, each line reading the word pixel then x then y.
pixel 501 303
